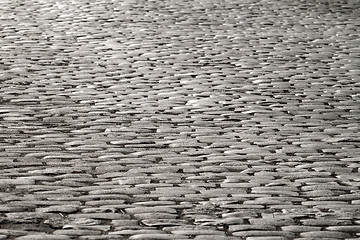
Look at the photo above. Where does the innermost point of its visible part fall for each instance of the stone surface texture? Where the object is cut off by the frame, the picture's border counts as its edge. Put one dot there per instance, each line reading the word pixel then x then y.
pixel 164 119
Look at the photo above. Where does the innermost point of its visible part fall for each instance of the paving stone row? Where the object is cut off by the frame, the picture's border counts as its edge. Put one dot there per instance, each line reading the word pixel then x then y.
pixel 179 119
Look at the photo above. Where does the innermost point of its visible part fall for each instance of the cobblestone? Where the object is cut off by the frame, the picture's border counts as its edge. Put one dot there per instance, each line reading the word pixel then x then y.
pixel 44 237
pixel 325 234
pixel 179 119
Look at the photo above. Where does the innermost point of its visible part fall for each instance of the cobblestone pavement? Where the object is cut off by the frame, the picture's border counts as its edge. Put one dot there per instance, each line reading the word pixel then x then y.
pixel 153 119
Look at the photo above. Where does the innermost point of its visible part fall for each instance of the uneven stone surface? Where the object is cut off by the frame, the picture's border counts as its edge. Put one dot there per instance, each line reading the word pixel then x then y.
pixel 207 119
